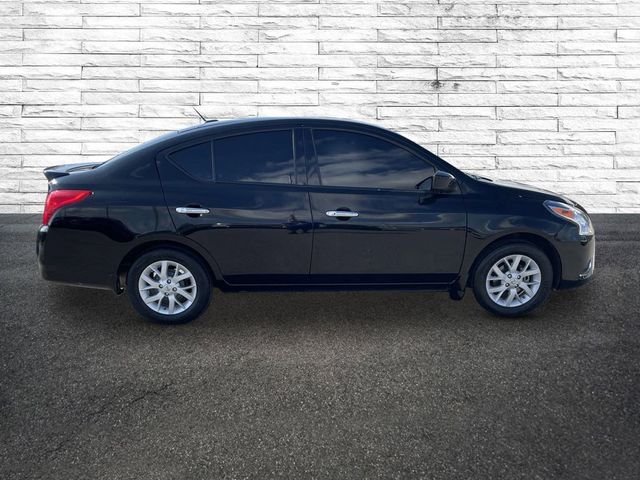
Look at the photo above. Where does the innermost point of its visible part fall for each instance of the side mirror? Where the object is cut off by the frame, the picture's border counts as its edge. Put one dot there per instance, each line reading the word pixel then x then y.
pixel 439 182
pixel 443 182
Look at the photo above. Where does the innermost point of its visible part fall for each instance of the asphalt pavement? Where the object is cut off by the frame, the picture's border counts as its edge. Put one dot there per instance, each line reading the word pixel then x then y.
pixel 321 385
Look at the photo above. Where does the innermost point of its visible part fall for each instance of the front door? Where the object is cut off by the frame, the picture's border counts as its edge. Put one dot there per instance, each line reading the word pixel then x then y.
pixel 369 223
pixel 251 206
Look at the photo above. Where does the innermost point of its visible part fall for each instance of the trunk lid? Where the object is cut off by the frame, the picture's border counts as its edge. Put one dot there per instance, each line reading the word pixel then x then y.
pixel 62 170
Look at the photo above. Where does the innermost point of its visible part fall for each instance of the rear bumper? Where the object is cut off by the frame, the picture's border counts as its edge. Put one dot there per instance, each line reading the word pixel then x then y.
pixel 60 261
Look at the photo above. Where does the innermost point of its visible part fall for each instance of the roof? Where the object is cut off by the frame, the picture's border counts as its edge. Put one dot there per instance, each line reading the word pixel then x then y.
pixel 213 124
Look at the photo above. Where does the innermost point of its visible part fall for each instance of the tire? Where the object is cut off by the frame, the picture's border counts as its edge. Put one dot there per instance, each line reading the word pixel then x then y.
pixel 177 301
pixel 531 289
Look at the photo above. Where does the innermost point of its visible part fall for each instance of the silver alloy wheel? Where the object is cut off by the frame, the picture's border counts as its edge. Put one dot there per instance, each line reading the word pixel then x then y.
pixel 513 280
pixel 167 287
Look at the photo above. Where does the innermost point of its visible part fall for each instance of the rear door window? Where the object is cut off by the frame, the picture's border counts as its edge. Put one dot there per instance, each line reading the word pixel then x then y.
pixel 262 157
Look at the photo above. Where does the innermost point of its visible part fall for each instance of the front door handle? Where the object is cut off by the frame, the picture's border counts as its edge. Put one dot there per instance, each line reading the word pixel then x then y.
pixel 192 210
pixel 341 213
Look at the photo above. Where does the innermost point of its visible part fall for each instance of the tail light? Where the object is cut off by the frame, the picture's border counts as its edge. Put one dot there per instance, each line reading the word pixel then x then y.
pixel 57 199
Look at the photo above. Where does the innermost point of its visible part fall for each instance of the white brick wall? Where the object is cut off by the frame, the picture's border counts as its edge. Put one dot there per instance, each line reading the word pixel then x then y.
pixel 545 92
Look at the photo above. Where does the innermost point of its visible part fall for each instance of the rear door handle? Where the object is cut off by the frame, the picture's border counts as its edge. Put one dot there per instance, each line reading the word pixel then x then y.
pixel 341 213
pixel 192 210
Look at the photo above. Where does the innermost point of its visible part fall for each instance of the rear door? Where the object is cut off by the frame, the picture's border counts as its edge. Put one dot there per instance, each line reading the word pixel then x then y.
pixel 243 197
pixel 369 223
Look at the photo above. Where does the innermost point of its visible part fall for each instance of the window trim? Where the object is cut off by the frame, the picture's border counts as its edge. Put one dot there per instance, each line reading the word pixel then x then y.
pixel 369 134
pixel 294 172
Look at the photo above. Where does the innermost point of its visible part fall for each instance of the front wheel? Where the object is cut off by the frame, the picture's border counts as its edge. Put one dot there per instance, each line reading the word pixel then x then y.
pixel 513 279
pixel 168 286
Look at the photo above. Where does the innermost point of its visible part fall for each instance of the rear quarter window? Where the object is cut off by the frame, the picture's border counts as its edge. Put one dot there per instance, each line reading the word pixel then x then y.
pixel 196 160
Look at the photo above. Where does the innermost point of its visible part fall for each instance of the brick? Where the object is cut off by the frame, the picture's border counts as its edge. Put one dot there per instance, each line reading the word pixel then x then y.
pixel 40 72
pixel 97 34
pixel 417 86
pixel 382 48
pixel 378 73
pixel 212 10
pixel 555 86
pixel 250 86
pixel 63 110
pixel 289 86
pixel 500 124
pixel 544 61
pixel 498 48
pixel 556 137
pixel 101 98
pixel 160 48
pixel 431 10
pixel 379 22
pixel 81 9
pixel 562 36
pixel 258 22
pixel 259 99
pixel 307 73
pixel 556 112
pixel 380 99
pixel 317 60
pixel 38 46
pixel 140 22
pixel 462 73
pixel 589 99
pixel 79 136
pixel 81 85
pixel 258 48
pixel 501 22
pixel 139 72
pixel 315 10
pixel 82 59
pixel 389 112
pixel 472 99
pixel 201 35
pixel 599 73
pixel 314 35
pixel 436 35
pixel 599 22
pixel 436 60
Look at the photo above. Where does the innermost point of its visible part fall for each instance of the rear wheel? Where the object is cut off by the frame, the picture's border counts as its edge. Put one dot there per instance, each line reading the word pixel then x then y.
pixel 168 286
pixel 513 279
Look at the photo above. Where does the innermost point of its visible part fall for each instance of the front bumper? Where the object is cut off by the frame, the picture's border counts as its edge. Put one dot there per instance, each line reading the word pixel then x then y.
pixel 577 257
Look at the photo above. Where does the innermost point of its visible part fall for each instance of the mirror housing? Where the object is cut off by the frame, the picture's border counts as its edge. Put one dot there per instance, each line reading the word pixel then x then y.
pixel 443 182
pixel 439 183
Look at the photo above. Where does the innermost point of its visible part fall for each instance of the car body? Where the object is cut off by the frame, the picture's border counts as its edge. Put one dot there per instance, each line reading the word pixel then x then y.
pixel 300 203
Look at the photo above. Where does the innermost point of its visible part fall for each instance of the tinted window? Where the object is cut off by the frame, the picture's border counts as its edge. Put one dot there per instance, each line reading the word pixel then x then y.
pixel 255 157
pixel 196 160
pixel 347 159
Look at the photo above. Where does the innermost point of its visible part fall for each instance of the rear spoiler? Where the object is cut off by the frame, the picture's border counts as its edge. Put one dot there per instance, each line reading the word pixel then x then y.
pixel 62 170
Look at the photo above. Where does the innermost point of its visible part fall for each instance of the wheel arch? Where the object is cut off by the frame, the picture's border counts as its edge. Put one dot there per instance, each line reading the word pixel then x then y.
pixel 540 242
pixel 209 263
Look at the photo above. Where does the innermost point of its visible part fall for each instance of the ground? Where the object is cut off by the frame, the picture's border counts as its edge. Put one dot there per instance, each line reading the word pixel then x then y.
pixel 322 385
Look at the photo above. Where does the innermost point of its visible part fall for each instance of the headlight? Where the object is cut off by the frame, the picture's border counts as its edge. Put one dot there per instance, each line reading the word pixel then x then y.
pixel 574 215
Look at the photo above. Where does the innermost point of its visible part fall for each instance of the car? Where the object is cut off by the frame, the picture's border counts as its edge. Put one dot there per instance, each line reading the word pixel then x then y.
pixel 303 204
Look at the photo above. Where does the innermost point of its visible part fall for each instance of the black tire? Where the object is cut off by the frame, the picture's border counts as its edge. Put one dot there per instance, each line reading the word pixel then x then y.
pixel 200 275
pixel 487 262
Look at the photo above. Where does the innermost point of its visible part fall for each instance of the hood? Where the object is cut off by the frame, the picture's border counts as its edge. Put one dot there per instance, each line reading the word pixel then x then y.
pixel 526 191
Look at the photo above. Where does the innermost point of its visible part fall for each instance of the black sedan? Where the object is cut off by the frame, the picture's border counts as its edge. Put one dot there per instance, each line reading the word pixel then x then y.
pixel 303 203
